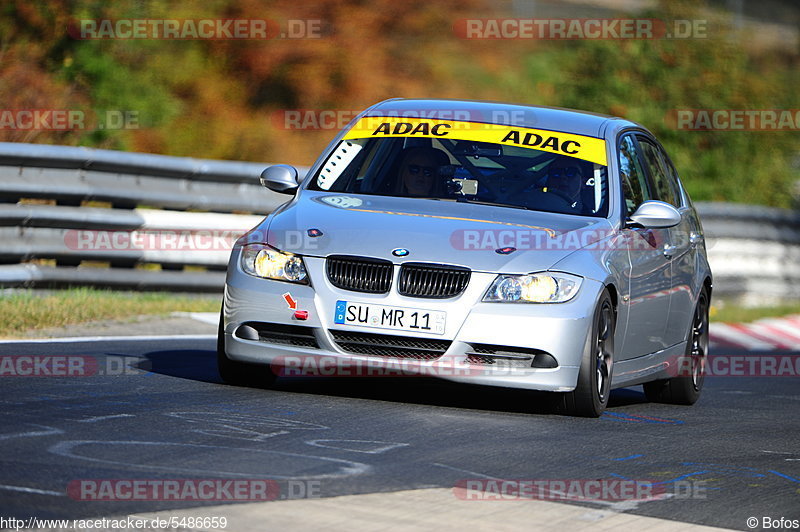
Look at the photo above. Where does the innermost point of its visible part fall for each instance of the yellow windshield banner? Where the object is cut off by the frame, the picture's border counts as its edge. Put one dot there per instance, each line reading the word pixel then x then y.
pixel 587 148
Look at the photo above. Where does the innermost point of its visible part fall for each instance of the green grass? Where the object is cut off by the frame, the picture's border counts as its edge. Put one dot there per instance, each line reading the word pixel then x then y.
pixel 734 314
pixel 29 309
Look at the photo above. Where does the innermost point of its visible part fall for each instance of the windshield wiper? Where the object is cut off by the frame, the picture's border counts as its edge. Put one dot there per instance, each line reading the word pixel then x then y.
pixel 464 199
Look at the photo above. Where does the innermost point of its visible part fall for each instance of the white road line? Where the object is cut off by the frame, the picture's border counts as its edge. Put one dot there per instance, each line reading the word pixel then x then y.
pixel 48 431
pixel 762 334
pixel 788 330
pixel 378 447
pixel 23 489
pixel 793 320
pixel 756 336
pixel 765 329
pixel 783 452
pixel 307 470
pixel 458 470
pixel 78 339
pixel 733 335
pixel 102 418
pixel 212 318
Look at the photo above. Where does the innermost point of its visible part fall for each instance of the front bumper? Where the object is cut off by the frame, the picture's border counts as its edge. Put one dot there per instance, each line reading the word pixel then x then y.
pixel 561 330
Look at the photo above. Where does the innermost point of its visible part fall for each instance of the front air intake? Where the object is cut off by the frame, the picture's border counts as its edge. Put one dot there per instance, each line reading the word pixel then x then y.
pixel 434 281
pixel 384 345
pixel 359 274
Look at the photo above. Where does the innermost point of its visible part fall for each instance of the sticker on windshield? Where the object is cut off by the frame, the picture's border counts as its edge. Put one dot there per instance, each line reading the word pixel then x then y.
pixel 581 147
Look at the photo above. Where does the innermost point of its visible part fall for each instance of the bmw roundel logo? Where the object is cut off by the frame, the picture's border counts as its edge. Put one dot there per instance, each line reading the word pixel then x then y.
pixel 400 252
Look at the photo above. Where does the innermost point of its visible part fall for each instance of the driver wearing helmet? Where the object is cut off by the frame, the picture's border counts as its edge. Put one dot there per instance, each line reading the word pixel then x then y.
pixel 565 178
pixel 419 171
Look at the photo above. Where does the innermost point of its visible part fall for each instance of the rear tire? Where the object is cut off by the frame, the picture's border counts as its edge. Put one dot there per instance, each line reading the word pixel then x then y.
pixel 238 373
pixel 590 397
pixel 686 389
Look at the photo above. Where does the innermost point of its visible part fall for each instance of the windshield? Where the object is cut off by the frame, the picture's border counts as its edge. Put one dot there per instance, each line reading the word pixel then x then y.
pixel 453 169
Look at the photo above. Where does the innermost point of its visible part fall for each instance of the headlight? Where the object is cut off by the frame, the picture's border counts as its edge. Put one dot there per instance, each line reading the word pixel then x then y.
pixel 263 261
pixel 534 288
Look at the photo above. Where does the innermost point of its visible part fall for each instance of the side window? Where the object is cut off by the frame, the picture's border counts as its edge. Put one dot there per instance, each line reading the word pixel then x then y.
pixel 674 179
pixel 634 182
pixel 666 189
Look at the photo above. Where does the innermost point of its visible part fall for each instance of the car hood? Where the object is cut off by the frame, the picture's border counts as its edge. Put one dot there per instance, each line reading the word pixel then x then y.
pixel 430 230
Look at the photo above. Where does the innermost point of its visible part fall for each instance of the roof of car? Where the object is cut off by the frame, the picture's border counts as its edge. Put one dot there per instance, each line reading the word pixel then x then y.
pixel 547 118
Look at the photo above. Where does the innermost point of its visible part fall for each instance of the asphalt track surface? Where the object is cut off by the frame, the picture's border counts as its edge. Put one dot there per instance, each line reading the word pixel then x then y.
pixel 732 456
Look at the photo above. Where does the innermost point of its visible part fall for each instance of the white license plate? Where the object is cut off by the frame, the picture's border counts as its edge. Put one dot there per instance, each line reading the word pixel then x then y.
pixel 385 317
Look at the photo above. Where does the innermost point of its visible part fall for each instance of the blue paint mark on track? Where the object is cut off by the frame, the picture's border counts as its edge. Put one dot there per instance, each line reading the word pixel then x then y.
pixel 784 476
pixel 631 457
pixel 630 418
pixel 670 481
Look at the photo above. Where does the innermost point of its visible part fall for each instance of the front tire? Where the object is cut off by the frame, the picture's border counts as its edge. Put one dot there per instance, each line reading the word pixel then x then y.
pixel 590 397
pixel 685 389
pixel 238 373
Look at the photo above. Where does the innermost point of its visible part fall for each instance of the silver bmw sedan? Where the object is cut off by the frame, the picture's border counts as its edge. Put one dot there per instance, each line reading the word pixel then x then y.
pixel 485 243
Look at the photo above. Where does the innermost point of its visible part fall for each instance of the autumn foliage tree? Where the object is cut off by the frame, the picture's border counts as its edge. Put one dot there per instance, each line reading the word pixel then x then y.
pixel 228 98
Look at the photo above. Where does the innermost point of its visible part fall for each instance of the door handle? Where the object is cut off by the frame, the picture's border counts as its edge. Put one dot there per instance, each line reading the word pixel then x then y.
pixel 669 250
pixel 695 238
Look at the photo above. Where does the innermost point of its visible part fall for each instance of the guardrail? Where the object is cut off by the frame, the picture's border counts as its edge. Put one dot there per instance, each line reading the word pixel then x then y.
pixel 80 216
pixel 61 207
pixel 754 252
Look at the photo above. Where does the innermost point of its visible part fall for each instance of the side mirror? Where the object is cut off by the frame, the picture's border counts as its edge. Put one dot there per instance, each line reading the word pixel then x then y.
pixel 656 215
pixel 281 178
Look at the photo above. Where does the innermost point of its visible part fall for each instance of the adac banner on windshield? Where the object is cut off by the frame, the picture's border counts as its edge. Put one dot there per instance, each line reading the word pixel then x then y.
pixel 587 148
